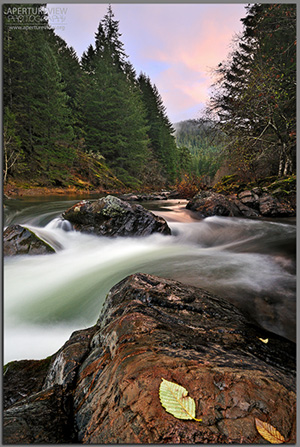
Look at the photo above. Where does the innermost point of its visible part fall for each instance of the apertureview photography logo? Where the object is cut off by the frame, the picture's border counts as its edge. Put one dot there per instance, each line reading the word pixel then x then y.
pixel 35 17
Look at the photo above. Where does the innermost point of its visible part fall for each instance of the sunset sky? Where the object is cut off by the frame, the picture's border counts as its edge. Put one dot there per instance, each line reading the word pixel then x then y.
pixel 176 44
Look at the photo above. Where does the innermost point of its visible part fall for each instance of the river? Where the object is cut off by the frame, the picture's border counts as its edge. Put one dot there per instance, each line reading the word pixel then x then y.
pixel 249 262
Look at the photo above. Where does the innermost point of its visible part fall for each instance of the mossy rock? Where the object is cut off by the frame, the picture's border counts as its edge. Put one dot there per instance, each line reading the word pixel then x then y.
pixel 278 186
pixel 288 184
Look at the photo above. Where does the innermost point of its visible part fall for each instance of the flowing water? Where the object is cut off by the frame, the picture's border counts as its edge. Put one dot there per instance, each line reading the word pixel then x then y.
pixel 46 298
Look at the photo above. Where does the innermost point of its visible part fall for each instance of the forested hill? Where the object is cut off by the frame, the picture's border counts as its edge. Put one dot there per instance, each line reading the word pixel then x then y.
pixel 85 123
pixel 205 142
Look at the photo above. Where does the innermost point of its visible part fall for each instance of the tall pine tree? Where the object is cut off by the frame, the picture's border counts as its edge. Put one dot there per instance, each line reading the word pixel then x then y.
pixel 114 115
pixel 162 141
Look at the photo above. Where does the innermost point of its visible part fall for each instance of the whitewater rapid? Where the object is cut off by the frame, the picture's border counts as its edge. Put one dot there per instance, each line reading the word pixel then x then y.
pixel 47 297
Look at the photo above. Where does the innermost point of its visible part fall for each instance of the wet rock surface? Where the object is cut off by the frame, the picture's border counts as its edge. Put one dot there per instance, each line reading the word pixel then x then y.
pixel 23 378
pixel 249 203
pixel 111 216
pixel 106 378
pixel 162 195
pixel 43 418
pixel 208 203
pixel 37 394
pixel 18 240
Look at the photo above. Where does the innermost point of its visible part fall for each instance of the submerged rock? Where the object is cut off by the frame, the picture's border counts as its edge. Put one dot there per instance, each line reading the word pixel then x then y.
pixel 107 378
pixel 18 240
pixel 111 216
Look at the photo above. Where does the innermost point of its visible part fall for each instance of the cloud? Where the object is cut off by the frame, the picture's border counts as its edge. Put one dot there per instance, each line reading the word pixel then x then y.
pixel 175 44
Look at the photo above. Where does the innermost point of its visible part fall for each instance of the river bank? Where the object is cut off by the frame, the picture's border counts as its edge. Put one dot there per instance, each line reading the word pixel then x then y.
pixel 15 191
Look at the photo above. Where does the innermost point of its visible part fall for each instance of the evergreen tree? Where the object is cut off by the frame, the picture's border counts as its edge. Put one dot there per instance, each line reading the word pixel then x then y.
pixel 71 79
pixel 34 96
pixel 256 92
pixel 114 114
pixel 87 60
pixel 162 141
pixel 205 144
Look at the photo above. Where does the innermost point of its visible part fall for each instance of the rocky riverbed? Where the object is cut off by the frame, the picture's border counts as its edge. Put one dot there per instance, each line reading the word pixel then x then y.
pixel 102 386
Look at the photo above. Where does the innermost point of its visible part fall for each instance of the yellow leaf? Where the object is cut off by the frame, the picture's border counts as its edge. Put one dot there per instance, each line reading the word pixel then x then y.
pixel 264 340
pixel 174 398
pixel 268 432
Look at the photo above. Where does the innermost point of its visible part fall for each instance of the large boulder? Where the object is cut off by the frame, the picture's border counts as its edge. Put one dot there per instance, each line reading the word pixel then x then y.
pixel 111 216
pixel 208 203
pixel 151 328
pixel 107 378
pixel 18 240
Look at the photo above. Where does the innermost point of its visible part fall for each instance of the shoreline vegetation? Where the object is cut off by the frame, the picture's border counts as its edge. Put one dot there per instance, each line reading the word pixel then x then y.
pixel 282 187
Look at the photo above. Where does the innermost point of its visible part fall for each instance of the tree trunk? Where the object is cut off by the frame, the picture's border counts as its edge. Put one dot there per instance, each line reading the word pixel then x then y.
pixel 281 163
pixel 288 167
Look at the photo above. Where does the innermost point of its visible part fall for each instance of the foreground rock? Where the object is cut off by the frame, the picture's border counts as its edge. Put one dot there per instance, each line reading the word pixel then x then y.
pixel 107 378
pixel 18 240
pixel 43 418
pixel 250 203
pixel 23 378
pixel 110 216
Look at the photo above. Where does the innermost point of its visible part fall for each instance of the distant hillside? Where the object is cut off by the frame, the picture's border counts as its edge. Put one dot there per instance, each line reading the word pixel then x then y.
pixel 204 142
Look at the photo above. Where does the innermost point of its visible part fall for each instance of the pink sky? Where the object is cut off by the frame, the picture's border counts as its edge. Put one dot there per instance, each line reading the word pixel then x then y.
pixel 176 44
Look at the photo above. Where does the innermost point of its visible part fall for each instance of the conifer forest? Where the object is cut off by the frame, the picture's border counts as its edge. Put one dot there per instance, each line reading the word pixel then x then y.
pixel 95 122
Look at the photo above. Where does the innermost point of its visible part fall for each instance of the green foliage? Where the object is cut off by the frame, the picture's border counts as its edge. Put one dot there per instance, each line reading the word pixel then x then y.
pixel 230 184
pixel 35 96
pixel 12 152
pixel 114 117
pixel 89 172
pixel 255 93
pixel 160 130
pixel 205 144
pixel 54 106
pixel 288 184
pixel 278 186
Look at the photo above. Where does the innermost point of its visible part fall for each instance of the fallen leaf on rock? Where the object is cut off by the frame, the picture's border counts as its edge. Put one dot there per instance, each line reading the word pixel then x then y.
pixel 264 340
pixel 174 398
pixel 268 432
